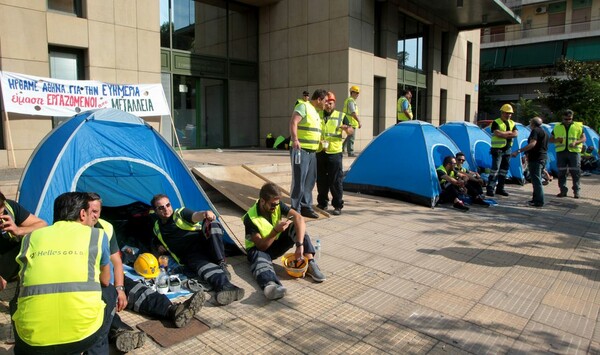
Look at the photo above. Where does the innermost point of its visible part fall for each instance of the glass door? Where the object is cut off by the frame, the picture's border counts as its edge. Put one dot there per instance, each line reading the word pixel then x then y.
pixel 212 120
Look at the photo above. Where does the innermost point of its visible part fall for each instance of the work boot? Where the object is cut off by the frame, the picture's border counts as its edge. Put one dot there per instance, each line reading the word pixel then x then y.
pixel 490 192
pixel 127 340
pixel 182 313
pixel 337 212
pixel 315 272
pixel 229 294
pixel 501 192
pixel 223 265
pixel 274 291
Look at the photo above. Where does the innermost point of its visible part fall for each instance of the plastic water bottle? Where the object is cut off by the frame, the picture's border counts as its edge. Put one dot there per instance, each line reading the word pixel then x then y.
pixel 297 156
pixel 162 281
pixel 318 250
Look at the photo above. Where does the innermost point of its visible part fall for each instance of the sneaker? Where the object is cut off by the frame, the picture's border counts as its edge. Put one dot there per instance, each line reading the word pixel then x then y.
pixel 274 291
pixel 336 212
pixel 322 207
pixel 460 206
pixel 586 173
pixel 229 294
pixel 502 192
pixel 480 201
pixel 309 214
pixel 223 265
pixel 314 271
pixel 576 194
pixel 351 155
pixel 184 312
pixel 533 204
pixel 561 194
pixel 127 340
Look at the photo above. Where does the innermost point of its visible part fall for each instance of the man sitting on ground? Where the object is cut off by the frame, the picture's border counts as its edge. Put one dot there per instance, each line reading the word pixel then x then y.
pixel 451 184
pixel 272 228
pixel 473 181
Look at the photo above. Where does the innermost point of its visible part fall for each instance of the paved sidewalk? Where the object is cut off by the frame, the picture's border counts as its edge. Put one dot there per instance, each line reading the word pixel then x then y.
pixel 408 279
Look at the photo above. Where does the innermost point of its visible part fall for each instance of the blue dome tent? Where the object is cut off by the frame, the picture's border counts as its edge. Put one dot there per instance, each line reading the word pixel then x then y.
pixel 471 140
pixel 592 140
pixel 551 163
pixel 110 152
pixel 401 162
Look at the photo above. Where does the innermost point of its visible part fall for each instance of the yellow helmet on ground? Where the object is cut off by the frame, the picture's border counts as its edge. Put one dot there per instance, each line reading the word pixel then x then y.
pixel 354 88
pixel 506 108
pixel 146 265
pixel 294 268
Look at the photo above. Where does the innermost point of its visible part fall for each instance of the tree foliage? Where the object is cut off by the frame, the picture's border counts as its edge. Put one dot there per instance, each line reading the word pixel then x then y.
pixel 525 110
pixel 580 91
pixel 488 108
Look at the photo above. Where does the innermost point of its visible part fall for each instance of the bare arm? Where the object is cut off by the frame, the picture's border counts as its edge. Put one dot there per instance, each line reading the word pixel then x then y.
pixel 294 120
pixel 105 274
pixel 119 280
pixel 202 215
pixel 30 224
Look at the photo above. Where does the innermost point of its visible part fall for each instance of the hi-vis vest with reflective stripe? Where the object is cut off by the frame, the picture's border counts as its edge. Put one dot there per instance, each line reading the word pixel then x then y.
pixel 575 131
pixel 309 128
pixel 401 116
pixel 333 133
pixel 346 110
pixel 443 168
pixel 498 142
pixel 264 227
pixel 60 300
pixel 181 224
pixel 108 228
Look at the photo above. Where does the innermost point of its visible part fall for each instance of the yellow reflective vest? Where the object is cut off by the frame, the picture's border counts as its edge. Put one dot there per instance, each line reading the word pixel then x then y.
pixel 60 299
pixel 264 226
pixel 309 128
pixel 346 110
pixel 452 174
pixel 401 116
pixel 332 132
pixel 181 224
pixel 575 132
pixel 498 142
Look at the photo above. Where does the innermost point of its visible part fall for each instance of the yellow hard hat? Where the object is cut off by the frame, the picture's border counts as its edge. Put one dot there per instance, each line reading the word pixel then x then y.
pixel 293 267
pixel 506 108
pixel 146 265
pixel 355 89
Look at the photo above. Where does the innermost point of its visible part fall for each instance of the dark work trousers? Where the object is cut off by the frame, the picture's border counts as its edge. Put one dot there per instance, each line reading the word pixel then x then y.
pixel 304 176
pixel 499 170
pixel 144 300
pixel 261 262
pixel 329 178
pixel 568 162
pixel 95 344
pixel 474 188
pixel 205 258
pixel 449 193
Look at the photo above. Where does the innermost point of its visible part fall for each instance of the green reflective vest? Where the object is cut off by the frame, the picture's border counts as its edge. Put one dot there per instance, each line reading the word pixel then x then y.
pixel 346 110
pixel 333 133
pixel 452 174
pixel 181 224
pixel 264 226
pixel 60 299
pixel 575 132
pixel 309 128
pixel 401 116
pixel 498 142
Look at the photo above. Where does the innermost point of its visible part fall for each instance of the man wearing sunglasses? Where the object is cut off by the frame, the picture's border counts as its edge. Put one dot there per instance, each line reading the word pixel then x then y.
pixel 473 181
pixel 194 239
pixel 568 138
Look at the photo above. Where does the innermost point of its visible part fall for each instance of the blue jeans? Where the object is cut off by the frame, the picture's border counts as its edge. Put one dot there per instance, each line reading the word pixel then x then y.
pixel 348 144
pixel 535 172
pixel 304 178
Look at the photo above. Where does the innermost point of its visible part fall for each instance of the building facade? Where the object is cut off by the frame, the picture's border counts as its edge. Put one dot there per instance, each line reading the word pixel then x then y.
pixel 550 31
pixel 232 70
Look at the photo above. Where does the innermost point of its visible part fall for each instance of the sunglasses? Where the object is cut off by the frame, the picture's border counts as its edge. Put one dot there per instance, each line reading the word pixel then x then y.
pixel 163 207
pixel 460 160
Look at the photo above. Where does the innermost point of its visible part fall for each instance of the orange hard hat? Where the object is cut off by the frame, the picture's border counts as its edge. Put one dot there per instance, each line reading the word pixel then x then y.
pixel 330 96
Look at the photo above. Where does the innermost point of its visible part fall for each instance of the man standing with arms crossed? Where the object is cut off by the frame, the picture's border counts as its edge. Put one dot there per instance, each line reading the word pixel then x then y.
pixel 351 110
pixel 305 137
pixel 503 131
pixel 404 108
pixel 568 137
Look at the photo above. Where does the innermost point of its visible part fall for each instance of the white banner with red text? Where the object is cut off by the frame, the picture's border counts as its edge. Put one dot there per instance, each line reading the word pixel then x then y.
pixel 34 95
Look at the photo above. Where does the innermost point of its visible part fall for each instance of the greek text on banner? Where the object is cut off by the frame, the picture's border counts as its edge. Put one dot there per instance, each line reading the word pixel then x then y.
pixel 34 95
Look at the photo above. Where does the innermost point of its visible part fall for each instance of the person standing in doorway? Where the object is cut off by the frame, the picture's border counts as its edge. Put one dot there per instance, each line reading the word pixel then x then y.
pixel 351 110
pixel 404 108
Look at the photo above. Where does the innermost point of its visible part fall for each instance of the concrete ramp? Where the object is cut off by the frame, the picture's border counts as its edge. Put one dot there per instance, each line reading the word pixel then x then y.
pixel 240 184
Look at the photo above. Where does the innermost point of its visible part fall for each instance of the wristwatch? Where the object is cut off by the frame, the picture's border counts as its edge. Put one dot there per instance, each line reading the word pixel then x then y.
pixel 298 244
pixel 120 288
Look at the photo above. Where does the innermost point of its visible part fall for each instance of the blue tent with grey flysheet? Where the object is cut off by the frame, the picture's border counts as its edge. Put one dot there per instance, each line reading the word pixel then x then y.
pixel 401 162
pixel 113 153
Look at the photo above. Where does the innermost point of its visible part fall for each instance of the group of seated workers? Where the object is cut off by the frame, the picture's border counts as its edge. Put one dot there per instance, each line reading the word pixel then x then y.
pixel 457 183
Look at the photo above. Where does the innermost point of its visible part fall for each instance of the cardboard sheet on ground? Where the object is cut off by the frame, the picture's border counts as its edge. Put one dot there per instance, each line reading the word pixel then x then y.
pixel 240 184
pixel 166 334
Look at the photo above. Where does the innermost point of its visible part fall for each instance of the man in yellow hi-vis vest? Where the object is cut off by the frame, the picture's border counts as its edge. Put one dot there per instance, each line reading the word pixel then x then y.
pixel 503 131
pixel 568 138
pixel 64 302
pixel 350 108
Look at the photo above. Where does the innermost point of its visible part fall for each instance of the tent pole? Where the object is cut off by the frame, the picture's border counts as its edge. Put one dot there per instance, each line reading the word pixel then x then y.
pixel 176 136
pixel 8 137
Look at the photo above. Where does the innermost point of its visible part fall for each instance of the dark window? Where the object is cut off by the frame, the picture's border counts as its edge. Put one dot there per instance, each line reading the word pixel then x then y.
pixel 443 106
pixel 66 64
pixel 469 60
pixel 467 108
pixel 69 6
pixel 445 53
